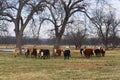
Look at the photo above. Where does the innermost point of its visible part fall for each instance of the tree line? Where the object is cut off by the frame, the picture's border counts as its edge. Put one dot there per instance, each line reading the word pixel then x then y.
pixel 77 43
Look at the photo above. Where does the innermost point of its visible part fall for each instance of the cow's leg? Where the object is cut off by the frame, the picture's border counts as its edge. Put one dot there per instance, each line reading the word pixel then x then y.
pixel 98 54
pixel 103 54
pixel 31 54
pixel 64 57
pixel 44 57
pixel 87 55
pixel 15 55
pixel 41 57
pixel 81 52
pixel 68 56
pixel 27 54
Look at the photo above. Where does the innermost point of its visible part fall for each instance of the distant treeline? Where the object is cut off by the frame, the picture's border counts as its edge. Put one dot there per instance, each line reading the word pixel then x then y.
pixel 36 41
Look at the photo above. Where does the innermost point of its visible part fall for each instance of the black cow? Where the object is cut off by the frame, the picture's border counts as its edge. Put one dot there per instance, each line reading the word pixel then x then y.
pixel 66 54
pixel 44 53
pixel 97 52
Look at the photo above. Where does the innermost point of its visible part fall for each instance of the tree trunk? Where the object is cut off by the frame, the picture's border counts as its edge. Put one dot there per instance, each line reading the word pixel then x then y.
pixel 19 41
pixel 56 44
pixel 105 42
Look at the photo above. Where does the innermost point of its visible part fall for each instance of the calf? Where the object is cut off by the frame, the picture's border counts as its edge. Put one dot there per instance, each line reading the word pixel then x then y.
pixel 66 54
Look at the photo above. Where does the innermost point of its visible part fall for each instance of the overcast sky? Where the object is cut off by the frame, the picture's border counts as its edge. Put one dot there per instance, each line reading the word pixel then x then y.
pixel 116 5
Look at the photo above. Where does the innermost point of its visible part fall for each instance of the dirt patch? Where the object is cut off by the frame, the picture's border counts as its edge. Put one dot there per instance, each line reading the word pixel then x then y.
pixel 83 65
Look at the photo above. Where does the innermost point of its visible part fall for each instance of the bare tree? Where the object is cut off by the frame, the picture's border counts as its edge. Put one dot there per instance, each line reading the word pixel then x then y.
pixel 76 38
pixel 20 12
pixel 76 32
pixel 60 16
pixel 105 23
pixel 3 29
pixel 114 31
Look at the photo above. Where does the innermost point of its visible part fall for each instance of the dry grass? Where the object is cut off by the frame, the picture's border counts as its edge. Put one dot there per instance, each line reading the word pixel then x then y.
pixel 77 68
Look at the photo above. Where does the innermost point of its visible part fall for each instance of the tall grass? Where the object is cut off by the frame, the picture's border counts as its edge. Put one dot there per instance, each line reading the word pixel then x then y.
pixel 76 68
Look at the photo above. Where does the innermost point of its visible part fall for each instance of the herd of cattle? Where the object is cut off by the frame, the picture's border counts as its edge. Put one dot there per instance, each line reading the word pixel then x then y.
pixel 45 53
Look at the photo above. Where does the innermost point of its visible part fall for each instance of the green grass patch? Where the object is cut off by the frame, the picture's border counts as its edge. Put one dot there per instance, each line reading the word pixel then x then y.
pixel 76 68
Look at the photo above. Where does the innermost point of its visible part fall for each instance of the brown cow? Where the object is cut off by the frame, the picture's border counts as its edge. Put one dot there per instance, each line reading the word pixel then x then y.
pixel 89 52
pixel 58 52
pixel 102 51
pixel 34 52
pixel 31 52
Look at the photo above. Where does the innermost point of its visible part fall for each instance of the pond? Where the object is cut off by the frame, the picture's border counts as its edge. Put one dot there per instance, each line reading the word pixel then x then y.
pixel 7 50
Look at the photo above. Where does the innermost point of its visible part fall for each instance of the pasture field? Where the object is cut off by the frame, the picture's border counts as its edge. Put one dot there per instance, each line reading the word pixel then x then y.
pixel 76 68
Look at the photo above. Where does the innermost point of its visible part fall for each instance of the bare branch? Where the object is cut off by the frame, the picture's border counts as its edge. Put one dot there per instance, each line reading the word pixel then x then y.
pixel 8 15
